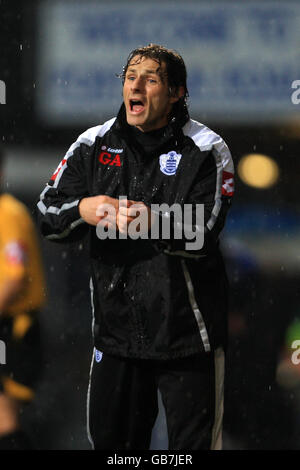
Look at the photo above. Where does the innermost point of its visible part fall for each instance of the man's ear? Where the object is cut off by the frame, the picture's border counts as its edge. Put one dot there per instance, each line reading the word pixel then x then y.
pixel 176 94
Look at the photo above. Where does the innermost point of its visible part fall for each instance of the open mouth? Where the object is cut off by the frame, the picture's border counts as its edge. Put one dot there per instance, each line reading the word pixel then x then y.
pixel 136 106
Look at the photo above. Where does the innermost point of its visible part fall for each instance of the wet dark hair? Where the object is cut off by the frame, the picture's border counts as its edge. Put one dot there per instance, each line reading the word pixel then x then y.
pixel 175 66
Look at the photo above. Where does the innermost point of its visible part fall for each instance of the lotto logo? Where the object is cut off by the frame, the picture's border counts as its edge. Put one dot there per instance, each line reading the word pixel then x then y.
pixel 228 184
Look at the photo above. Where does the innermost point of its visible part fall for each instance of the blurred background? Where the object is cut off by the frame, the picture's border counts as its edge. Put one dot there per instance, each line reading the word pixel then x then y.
pixel 58 61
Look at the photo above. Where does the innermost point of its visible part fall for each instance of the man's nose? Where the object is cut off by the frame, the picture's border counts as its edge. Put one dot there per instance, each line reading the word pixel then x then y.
pixel 137 84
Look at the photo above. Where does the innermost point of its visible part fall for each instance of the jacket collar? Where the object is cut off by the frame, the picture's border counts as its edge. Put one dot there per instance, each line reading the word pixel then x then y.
pixel 177 121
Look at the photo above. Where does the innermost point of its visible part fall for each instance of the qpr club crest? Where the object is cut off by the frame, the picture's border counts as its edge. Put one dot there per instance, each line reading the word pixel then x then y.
pixel 169 162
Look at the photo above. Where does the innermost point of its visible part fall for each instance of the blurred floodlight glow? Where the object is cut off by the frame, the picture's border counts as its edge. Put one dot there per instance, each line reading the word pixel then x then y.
pixel 257 170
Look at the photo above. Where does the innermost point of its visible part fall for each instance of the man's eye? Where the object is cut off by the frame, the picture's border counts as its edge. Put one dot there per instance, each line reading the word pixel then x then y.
pixel 130 78
pixel 151 80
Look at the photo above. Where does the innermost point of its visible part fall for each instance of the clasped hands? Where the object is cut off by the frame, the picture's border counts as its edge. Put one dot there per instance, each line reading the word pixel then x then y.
pixel 111 213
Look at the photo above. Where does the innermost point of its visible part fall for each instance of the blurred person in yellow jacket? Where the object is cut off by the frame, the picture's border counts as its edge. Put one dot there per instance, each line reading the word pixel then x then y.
pixel 22 295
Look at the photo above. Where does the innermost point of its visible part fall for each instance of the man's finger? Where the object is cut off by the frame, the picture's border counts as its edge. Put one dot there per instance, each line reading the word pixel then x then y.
pixel 104 209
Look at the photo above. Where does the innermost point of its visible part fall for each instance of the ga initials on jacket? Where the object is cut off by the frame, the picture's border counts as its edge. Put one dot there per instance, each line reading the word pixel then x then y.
pixel 108 159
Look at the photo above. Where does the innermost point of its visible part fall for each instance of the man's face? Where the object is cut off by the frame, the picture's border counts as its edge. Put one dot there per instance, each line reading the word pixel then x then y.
pixel 146 94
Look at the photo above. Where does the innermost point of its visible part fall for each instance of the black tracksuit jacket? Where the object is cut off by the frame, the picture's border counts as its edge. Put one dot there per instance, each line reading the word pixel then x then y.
pixel 152 299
